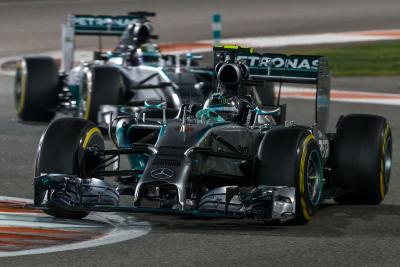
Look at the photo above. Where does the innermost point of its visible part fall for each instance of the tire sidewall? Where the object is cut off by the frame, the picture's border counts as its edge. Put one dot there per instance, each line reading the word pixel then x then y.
pixel 282 160
pixel 20 81
pixel 305 209
pixel 386 142
pixel 358 158
pixel 103 86
pixel 83 134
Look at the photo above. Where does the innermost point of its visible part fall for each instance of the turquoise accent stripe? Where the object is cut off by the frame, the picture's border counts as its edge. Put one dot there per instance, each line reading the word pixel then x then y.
pixel 216 27
pixel 259 111
pixel 217 18
pixel 161 105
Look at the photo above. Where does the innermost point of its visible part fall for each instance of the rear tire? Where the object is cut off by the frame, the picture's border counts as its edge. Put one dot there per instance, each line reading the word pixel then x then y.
pixel 291 157
pixel 60 151
pixel 361 158
pixel 103 85
pixel 36 88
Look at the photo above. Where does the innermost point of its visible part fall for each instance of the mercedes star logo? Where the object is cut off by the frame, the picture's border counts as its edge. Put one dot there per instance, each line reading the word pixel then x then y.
pixel 162 173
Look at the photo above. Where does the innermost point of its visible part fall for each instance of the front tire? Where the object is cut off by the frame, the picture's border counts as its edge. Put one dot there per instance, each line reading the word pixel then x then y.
pixel 61 151
pixel 291 157
pixel 362 158
pixel 36 88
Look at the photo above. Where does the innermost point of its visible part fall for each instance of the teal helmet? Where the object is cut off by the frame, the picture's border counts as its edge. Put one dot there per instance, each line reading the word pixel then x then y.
pixel 226 106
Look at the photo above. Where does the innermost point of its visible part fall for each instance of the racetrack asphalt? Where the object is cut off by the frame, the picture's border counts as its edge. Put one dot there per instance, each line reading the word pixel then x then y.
pixel 337 235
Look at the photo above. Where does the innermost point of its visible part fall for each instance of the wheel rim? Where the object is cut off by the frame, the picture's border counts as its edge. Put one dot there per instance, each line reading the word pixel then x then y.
pixel 314 179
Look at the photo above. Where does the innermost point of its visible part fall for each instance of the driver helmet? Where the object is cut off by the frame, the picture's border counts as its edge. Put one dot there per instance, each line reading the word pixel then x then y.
pixel 226 106
pixel 149 54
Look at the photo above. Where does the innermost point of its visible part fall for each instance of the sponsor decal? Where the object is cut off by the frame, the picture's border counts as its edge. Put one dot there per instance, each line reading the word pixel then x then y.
pixel 162 173
pixel 167 162
pixel 280 61
pixel 103 23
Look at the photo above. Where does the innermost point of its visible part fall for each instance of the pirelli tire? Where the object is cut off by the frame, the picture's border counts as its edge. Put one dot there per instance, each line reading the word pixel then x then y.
pixel 36 88
pixel 291 157
pixel 102 85
pixel 61 151
pixel 362 158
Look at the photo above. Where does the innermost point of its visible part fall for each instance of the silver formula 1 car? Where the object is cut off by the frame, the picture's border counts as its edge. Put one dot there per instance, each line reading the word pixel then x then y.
pixel 117 80
pixel 226 157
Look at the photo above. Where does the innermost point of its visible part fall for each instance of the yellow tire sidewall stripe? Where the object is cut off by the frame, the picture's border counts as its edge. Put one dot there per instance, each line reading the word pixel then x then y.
pixel 93 131
pixel 382 187
pixel 22 69
pixel 303 202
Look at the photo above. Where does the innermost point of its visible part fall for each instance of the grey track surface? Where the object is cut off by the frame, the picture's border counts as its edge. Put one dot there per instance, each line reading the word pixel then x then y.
pixel 337 236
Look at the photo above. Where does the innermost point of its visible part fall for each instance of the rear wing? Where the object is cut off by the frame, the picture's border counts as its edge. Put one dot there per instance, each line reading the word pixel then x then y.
pixel 269 67
pixel 105 25
pixel 94 25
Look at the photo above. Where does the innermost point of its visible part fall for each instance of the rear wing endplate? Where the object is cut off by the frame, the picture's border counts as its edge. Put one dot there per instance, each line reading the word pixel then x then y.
pixel 304 69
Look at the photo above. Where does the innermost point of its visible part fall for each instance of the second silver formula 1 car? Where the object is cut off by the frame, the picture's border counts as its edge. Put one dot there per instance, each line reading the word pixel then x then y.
pixel 116 80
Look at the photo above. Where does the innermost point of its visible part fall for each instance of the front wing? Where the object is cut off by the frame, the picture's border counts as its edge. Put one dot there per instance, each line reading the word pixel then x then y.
pixel 267 203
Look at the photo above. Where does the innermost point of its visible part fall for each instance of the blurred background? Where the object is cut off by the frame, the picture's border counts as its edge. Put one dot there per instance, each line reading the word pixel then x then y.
pixel 34 25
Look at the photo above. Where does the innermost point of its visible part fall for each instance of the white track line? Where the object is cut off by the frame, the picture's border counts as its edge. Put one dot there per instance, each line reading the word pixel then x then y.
pixel 303 39
pixel 343 96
